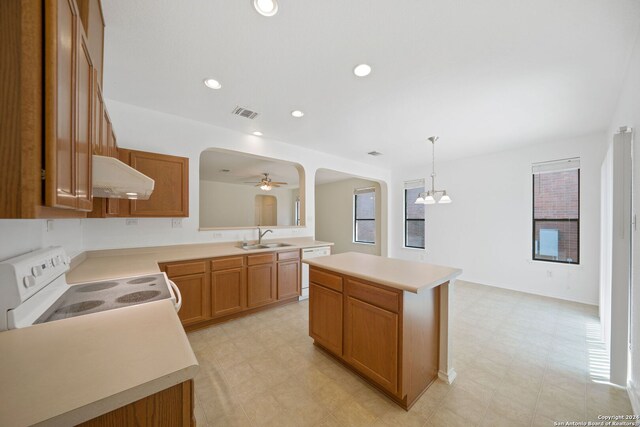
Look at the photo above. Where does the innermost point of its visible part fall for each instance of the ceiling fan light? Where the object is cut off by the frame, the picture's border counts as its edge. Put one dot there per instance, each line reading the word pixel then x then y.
pixel 265 187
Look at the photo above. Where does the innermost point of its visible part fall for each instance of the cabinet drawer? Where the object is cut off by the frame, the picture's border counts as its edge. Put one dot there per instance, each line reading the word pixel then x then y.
pixel 288 255
pixel 379 297
pixel 329 280
pixel 185 268
pixel 261 259
pixel 225 263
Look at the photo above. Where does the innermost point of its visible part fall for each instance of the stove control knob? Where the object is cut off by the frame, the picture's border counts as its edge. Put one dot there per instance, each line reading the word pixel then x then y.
pixel 29 281
pixel 56 260
pixel 36 271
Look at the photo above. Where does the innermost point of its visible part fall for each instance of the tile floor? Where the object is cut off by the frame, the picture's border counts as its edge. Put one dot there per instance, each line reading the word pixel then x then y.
pixel 522 360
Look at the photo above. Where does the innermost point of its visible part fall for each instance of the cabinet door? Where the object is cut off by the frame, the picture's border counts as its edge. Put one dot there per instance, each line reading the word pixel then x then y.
pixel 61 45
pixel 288 279
pixel 371 342
pixel 228 292
pixel 325 317
pixel 261 285
pixel 193 289
pixel 170 195
pixel 84 121
pixel 98 106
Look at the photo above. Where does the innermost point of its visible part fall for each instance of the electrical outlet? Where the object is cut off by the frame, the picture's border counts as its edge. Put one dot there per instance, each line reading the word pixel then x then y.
pixel 49 225
pixel 176 223
pixel 549 273
pixel 131 221
pixel 217 235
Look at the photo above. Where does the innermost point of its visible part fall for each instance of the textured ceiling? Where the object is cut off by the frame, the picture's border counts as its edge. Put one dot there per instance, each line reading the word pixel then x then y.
pixel 483 75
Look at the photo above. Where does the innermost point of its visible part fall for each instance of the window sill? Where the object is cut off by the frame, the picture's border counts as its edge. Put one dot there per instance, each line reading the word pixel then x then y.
pixel 414 249
pixel 364 243
pixel 547 264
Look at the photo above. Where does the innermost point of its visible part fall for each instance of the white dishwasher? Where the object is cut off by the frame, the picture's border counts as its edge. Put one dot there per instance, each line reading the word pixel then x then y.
pixel 306 254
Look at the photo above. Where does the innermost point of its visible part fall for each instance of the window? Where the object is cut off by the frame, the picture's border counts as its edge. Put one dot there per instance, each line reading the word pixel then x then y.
pixel 364 229
pixel 556 211
pixel 413 216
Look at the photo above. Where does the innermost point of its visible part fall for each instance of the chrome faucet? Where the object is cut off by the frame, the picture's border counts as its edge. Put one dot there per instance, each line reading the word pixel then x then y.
pixel 261 234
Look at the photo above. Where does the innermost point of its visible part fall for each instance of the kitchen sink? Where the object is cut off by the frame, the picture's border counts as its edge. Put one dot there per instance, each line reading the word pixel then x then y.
pixel 264 246
pixel 275 245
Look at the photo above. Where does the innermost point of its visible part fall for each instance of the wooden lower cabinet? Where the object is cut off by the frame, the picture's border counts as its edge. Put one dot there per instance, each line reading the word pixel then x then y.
pixel 288 279
pixel 389 336
pixel 217 289
pixel 371 342
pixel 169 407
pixel 261 284
pixel 228 292
pixel 325 317
pixel 194 290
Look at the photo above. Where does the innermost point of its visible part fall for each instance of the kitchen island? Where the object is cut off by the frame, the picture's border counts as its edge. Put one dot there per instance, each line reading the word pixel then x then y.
pixel 386 319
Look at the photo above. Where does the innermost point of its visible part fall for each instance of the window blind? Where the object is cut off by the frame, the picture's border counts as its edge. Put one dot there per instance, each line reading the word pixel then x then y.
pixel 556 166
pixel 416 183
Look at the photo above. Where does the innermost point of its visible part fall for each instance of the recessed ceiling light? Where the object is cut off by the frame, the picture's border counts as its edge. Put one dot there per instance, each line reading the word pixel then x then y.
pixel 257 133
pixel 266 7
pixel 297 113
pixel 362 70
pixel 212 83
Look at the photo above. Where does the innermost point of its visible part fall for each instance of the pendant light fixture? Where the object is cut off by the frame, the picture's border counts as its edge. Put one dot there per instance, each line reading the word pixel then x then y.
pixel 433 196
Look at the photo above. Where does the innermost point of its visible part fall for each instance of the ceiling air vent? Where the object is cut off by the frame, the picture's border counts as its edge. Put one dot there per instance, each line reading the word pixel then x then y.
pixel 374 153
pixel 244 112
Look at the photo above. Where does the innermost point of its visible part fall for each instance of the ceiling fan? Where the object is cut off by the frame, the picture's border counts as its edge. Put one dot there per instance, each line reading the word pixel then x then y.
pixel 266 183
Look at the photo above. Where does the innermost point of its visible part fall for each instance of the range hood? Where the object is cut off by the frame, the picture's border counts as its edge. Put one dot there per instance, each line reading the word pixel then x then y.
pixel 117 180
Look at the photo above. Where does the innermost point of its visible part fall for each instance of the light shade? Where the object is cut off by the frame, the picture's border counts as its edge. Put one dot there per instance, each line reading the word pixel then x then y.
pixel 429 200
pixel 265 187
pixel 420 200
pixel 444 199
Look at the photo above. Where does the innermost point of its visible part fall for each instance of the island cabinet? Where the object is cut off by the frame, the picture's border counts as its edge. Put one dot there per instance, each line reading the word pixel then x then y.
pixel 218 289
pixel 388 336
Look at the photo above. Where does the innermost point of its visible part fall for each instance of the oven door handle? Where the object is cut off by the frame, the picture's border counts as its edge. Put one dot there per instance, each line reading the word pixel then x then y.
pixel 178 303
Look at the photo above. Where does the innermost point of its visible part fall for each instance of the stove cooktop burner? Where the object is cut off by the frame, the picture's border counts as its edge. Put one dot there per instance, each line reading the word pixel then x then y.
pixel 137 297
pixel 141 280
pixel 78 307
pixel 94 297
pixel 94 287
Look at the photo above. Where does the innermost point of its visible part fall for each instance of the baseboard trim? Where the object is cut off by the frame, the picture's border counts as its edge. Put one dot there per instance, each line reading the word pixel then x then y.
pixel 634 397
pixel 448 377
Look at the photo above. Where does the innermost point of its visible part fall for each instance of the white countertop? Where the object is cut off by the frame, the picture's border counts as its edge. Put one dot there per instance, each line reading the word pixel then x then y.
pixel 114 263
pixel 396 273
pixel 69 371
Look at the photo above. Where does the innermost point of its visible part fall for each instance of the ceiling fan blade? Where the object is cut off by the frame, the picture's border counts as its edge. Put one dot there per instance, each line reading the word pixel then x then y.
pixel 279 182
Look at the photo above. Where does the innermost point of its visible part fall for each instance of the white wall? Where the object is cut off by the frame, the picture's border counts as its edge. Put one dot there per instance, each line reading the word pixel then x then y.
pixel 334 216
pixel 148 130
pixel 628 114
pixel 18 236
pixel 227 205
pixel 486 231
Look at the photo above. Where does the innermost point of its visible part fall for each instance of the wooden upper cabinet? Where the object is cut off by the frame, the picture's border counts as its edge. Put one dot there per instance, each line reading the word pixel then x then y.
pixel 84 128
pixel 93 23
pixel 61 50
pixel 170 197
pixel 98 113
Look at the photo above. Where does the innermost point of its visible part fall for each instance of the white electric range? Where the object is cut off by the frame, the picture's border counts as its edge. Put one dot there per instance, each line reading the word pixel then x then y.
pixel 33 289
